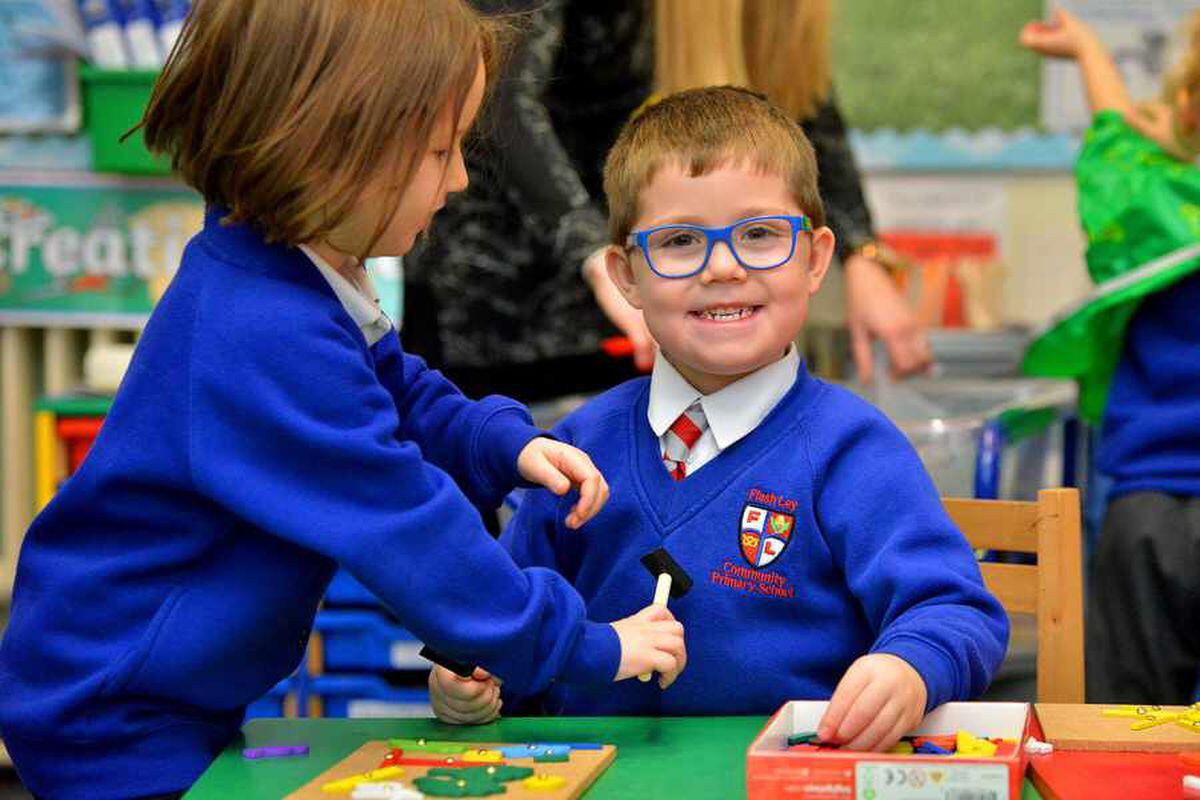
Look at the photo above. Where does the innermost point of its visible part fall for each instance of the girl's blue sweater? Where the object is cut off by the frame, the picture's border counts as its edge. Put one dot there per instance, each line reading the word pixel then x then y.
pixel 256 443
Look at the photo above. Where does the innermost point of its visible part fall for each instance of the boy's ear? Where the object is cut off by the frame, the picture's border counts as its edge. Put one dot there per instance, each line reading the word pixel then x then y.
pixel 819 257
pixel 620 270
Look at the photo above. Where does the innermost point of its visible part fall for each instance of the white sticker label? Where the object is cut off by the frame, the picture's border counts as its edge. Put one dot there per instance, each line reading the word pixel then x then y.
pixel 898 780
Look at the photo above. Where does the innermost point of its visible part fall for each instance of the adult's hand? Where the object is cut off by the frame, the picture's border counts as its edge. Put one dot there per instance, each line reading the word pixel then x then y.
pixel 625 317
pixel 875 309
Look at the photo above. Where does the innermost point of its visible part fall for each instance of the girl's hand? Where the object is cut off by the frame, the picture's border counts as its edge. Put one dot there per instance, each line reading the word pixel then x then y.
pixel 879 699
pixel 1065 36
pixel 464 701
pixel 559 467
pixel 651 641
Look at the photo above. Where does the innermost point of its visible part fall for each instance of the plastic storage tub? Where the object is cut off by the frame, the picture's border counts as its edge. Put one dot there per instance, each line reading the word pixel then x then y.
pixel 994 438
pixel 366 640
pixel 113 102
pixel 365 696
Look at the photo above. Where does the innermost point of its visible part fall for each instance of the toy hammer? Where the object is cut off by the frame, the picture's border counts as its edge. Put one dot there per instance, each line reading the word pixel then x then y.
pixel 672 581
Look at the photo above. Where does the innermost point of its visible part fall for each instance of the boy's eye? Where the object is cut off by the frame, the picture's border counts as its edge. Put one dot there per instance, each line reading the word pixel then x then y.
pixel 677 238
pixel 758 232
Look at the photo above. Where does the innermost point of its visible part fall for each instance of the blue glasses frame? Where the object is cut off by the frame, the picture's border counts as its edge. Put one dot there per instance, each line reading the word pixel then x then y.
pixel 641 239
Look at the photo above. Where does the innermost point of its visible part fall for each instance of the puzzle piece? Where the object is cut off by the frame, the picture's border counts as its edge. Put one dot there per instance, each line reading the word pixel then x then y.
pixel 389 790
pixel 534 750
pixel 425 746
pixel 969 746
pixel 544 783
pixel 346 785
pixel 1153 720
pixel 459 783
pixel 1130 711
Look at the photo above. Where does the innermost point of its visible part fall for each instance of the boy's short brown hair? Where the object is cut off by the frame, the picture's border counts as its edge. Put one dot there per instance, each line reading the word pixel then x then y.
pixel 283 111
pixel 702 129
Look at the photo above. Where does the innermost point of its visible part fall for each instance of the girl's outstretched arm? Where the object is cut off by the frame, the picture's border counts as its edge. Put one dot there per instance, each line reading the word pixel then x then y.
pixel 1066 36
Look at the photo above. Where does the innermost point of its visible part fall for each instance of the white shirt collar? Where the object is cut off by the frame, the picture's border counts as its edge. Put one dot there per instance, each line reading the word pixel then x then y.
pixel 363 309
pixel 733 411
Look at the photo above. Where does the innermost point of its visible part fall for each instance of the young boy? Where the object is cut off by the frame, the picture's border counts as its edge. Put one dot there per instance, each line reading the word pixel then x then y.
pixel 820 553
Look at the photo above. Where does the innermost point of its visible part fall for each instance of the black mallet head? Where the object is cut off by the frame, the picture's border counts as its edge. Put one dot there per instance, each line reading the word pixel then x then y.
pixel 660 561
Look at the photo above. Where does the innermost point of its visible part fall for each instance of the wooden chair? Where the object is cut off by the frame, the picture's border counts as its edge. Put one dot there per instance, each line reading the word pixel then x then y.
pixel 1052 590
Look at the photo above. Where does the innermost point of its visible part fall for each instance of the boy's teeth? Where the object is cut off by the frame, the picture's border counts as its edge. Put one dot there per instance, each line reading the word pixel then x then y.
pixel 725 314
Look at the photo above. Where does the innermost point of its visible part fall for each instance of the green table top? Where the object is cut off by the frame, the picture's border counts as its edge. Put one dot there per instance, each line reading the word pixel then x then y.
pixel 669 757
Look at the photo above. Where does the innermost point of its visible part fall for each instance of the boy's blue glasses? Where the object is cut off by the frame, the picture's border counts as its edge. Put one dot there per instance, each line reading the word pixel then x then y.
pixel 681 251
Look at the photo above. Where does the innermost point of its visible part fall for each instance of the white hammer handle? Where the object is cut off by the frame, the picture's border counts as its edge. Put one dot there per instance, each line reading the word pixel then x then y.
pixel 662 590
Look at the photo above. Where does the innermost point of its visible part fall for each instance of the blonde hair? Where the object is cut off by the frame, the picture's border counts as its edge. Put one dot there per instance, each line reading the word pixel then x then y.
pixel 283 112
pixel 777 47
pixel 1186 74
pixel 701 130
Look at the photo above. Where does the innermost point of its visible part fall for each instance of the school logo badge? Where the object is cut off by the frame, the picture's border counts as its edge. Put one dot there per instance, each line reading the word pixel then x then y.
pixel 764 534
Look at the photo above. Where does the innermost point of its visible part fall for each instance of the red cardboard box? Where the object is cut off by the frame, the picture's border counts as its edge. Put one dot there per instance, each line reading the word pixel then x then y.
pixel 774 773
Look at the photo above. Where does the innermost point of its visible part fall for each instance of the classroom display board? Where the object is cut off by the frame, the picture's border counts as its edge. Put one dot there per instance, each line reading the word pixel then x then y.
pixel 564 775
pixel 90 248
pixel 940 85
pixel 935 65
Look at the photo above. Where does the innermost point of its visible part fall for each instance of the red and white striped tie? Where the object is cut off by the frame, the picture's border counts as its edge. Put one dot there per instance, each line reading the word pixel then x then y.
pixel 681 437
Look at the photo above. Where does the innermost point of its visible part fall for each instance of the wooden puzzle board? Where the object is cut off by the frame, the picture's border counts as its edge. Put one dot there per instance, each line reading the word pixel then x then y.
pixel 580 771
pixel 1070 726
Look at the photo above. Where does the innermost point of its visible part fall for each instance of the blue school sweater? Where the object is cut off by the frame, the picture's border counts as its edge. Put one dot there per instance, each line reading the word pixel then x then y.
pixel 1150 441
pixel 813 540
pixel 256 443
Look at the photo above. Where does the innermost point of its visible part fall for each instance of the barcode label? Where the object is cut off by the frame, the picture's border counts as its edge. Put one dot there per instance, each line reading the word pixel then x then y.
pixel 922 780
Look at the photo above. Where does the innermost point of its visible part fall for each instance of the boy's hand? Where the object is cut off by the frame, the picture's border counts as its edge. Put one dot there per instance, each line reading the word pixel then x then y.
pixel 464 701
pixel 651 641
pixel 1065 36
pixel 558 467
pixel 879 699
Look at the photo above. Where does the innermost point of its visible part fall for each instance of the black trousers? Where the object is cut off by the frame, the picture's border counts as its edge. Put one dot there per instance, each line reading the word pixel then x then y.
pixel 1143 611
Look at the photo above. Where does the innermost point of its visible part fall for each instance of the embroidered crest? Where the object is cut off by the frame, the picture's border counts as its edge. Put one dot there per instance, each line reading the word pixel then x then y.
pixel 764 534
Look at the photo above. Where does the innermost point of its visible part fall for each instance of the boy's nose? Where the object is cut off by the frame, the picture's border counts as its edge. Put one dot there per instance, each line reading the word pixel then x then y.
pixel 722 266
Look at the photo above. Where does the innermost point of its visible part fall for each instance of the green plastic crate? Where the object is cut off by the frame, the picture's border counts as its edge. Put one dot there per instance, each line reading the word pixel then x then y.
pixel 113 102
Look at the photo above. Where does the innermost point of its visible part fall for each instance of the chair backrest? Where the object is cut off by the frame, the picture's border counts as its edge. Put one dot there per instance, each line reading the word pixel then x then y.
pixel 1052 590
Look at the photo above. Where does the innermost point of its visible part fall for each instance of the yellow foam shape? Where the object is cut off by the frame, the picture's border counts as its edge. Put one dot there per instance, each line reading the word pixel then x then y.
pixel 485 756
pixel 902 749
pixel 967 745
pixel 346 785
pixel 544 783
pixel 1123 711
pixel 1153 720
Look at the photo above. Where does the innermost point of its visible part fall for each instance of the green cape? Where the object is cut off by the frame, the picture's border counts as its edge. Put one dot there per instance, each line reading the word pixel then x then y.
pixel 1140 209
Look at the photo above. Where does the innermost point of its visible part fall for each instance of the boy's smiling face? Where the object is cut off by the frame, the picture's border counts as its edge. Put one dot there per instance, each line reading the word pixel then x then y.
pixel 725 322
